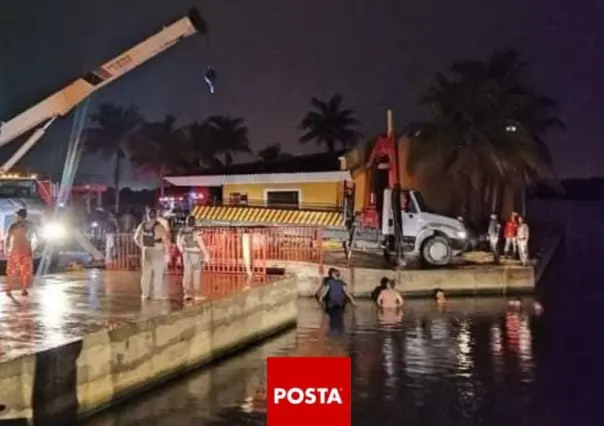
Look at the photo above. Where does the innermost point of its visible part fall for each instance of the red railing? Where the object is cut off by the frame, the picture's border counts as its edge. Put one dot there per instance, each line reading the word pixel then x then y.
pixel 215 286
pixel 233 250
pixel 304 244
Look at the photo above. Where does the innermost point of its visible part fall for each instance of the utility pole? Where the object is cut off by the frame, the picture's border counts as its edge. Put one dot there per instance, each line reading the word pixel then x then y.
pixel 397 206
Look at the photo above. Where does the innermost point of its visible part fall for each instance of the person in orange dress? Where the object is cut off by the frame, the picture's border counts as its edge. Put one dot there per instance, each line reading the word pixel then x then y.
pixel 19 253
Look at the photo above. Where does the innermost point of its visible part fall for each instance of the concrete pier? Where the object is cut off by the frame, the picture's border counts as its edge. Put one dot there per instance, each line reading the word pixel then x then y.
pixel 479 279
pixel 83 341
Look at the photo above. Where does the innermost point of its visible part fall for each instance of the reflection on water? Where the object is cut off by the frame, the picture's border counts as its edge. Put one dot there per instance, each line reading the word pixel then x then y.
pixel 469 364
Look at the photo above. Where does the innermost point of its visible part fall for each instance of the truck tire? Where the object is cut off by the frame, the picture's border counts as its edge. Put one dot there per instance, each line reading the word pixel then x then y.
pixel 436 251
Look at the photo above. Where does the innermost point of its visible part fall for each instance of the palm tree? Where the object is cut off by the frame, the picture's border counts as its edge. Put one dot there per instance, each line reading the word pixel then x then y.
pixel 328 124
pixel 486 130
pixel 273 152
pixel 109 136
pixel 160 148
pixel 202 150
pixel 226 136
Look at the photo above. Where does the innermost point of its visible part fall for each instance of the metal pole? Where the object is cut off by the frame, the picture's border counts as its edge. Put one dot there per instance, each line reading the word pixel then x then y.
pixel 396 195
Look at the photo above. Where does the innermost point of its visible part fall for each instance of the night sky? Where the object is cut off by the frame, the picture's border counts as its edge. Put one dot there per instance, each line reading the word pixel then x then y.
pixel 272 56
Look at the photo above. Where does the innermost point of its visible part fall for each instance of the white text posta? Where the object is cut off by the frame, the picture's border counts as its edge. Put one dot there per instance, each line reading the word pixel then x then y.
pixel 308 396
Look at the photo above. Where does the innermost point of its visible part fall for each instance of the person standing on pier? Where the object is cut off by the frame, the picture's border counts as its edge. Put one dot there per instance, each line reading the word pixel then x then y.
pixel 153 239
pixel 522 238
pixel 493 236
pixel 509 233
pixel 194 254
pixel 19 247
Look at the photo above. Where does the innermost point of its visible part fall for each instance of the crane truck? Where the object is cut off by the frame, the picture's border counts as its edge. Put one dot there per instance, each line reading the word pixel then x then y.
pixel 17 191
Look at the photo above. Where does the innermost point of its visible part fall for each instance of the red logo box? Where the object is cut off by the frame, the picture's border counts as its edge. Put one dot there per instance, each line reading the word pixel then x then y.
pixel 308 391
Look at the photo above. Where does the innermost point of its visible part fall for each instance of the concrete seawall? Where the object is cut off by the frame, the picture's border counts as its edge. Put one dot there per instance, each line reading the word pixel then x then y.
pixel 486 279
pixel 73 380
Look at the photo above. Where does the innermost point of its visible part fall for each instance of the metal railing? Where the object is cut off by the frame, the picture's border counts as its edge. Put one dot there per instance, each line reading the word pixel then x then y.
pixel 232 250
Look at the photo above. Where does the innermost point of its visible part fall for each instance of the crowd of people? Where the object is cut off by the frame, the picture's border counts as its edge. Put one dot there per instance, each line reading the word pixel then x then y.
pixel 333 296
pixel 152 236
pixel 515 237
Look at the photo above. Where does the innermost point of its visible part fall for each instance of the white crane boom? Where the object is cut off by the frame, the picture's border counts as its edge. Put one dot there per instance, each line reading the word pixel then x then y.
pixel 63 101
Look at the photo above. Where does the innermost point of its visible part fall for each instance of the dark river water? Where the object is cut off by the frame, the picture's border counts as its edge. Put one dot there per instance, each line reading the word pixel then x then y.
pixel 476 363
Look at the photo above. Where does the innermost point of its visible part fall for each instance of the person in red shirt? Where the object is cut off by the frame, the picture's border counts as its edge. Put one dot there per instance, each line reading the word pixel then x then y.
pixel 509 233
pixel 19 253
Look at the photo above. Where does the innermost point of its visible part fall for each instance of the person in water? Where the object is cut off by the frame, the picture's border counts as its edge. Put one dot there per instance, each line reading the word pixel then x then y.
pixel 439 296
pixel 321 288
pixel 20 245
pixel 335 296
pixel 389 298
pixel 378 289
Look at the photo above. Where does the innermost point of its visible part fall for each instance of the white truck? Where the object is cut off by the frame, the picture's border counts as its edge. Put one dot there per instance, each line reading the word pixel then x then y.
pixel 433 238
pixel 17 191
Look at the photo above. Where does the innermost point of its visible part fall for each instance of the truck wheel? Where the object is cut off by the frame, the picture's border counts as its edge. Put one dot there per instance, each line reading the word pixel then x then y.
pixel 436 251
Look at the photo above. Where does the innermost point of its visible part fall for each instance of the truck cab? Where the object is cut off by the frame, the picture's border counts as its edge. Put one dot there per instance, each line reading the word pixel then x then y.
pixel 434 238
pixel 17 192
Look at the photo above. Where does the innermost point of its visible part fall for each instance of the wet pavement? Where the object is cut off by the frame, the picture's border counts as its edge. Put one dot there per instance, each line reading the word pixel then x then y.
pixel 64 307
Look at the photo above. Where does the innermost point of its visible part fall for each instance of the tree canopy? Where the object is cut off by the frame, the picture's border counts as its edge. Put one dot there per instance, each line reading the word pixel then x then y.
pixel 110 135
pixel 328 124
pixel 159 149
pixel 486 128
pixel 272 152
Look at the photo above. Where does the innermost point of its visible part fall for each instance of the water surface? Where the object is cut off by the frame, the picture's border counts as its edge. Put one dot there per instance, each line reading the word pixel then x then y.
pixel 476 363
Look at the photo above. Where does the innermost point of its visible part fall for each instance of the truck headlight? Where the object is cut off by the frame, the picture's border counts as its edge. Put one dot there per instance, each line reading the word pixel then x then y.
pixel 462 235
pixel 54 231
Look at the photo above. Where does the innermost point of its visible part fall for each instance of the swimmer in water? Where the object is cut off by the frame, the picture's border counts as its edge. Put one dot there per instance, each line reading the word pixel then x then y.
pixel 439 297
pixel 538 307
pixel 389 298
pixel 379 288
pixel 515 303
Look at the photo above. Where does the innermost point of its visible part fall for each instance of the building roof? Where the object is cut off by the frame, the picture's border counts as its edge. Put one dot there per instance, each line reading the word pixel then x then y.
pixel 321 162
pixel 321 167
pixel 259 178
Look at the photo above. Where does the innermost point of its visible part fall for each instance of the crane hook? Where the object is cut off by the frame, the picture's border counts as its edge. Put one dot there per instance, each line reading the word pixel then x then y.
pixel 210 77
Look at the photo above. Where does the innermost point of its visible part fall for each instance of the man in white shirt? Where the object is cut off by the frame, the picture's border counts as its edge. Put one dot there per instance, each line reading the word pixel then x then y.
pixel 522 238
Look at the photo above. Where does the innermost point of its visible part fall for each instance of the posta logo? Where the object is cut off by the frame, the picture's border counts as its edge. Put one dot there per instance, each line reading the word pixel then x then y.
pixel 308 391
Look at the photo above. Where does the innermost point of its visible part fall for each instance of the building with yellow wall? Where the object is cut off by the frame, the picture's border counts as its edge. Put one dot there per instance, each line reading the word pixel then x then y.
pixel 317 189
pixel 303 190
